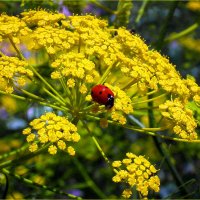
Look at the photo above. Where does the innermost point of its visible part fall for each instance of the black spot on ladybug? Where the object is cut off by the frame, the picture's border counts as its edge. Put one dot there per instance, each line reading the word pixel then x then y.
pixel 92 93
pixel 100 92
pixel 109 95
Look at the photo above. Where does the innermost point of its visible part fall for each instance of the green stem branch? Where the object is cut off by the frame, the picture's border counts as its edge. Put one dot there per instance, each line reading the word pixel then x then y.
pixel 164 27
pixel 12 153
pixel 88 180
pixel 183 33
pixel 31 183
pixel 145 132
pixel 62 108
pixel 102 6
pixel 149 100
pixel 19 159
pixel 141 10
pixel 97 144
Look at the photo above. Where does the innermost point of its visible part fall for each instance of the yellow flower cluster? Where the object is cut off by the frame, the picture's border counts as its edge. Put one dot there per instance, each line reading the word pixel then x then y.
pixel 96 39
pixel 53 129
pixel 52 39
pixel 132 45
pixel 136 171
pixel 180 118
pixel 9 103
pixel 74 66
pixel 13 72
pixel 148 68
pixel 41 18
pixel 13 28
pixel 83 47
pixel 190 43
pixel 193 88
pixel 193 5
pixel 166 75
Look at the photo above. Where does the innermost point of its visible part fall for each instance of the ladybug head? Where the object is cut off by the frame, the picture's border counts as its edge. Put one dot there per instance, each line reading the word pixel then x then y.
pixel 110 102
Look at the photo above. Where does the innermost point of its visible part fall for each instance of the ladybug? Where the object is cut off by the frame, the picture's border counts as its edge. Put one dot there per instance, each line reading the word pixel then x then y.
pixel 103 95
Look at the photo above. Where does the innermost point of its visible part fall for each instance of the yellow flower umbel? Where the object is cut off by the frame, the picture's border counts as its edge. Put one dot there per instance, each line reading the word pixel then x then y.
pixel 13 72
pixel 52 39
pixel 12 28
pixel 190 43
pixel 193 5
pixel 41 18
pixel 181 119
pixel 136 171
pixel 54 130
pixel 84 51
pixel 9 104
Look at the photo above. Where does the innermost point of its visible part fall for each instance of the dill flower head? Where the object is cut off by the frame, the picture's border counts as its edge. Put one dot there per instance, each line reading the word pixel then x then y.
pixel 193 5
pixel 13 72
pixel 53 39
pixel 181 119
pixel 136 171
pixel 190 43
pixel 9 104
pixel 41 18
pixel 13 28
pixel 84 51
pixel 54 130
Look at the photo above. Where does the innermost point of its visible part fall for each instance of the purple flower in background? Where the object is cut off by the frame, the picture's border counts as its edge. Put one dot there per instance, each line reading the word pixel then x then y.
pixel 30 113
pixel 16 123
pixel 76 192
pixel 5 48
pixel 65 11
pixel 90 8
pixel 3 114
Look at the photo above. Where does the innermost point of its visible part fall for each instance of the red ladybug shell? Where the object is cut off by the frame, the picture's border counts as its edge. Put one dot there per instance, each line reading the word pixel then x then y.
pixel 103 95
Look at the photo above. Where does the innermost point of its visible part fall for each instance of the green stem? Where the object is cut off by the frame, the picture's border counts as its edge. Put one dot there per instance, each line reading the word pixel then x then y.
pixel 147 94
pixel 128 85
pixel 164 27
pixel 141 10
pixel 31 94
pixel 163 151
pixel 32 100
pixel 16 49
pixel 6 185
pixel 19 159
pixel 11 153
pixel 97 144
pixel 103 77
pixel 53 96
pixel 31 183
pixel 149 100
pixel 63 85
pixel 102 6
pixel 182 33
pixel 88 180
pixel 145 132
pixel 46 83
